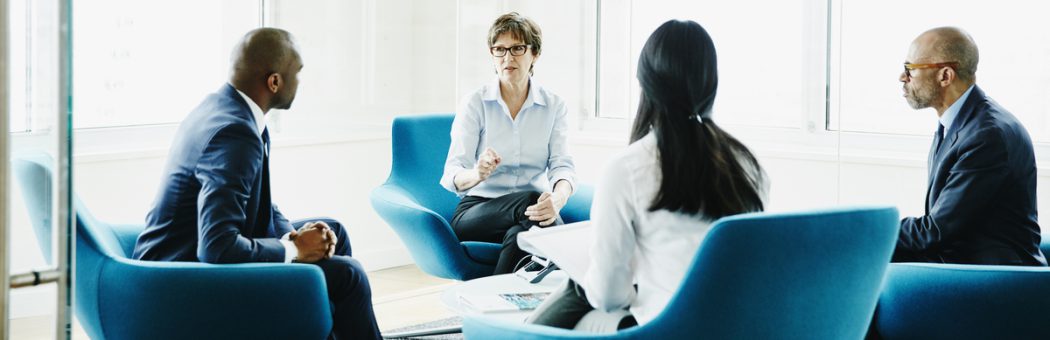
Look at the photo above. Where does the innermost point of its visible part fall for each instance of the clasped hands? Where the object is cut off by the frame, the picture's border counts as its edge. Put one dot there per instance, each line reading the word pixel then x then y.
pixel 546 209
pixel 315 241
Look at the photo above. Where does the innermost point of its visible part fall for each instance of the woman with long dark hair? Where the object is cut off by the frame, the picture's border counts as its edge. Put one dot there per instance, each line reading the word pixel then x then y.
pixel 658 198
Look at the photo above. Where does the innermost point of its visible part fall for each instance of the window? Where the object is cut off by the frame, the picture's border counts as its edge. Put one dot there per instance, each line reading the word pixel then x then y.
pixel 141 63
pixel 770 56
pixel 873 39
pixel 33 65
pixel 566 65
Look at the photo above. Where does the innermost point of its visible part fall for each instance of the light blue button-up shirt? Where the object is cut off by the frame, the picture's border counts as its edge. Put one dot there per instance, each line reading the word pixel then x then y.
pixel 948 117
pixel 533 147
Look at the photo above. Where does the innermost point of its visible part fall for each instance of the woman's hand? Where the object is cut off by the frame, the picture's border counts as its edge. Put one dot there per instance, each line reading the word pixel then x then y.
pixel 487 164
pixel 546 208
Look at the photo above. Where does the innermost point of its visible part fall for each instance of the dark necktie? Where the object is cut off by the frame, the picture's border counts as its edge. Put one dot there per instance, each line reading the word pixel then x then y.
pixel 265 205
pixel 935 151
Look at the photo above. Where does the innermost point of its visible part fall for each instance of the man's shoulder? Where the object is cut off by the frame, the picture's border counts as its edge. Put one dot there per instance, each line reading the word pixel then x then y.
pixel 216 112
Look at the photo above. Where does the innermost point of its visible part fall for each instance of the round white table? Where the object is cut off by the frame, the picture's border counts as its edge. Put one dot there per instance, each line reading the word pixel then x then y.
pixel 496 284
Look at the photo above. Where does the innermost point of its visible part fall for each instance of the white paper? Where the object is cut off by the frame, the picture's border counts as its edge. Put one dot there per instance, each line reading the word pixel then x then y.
pixel 569 246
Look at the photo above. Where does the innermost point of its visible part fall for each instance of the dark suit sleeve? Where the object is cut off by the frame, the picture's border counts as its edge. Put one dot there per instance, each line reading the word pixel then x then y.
pixel 227 170
pixel 980 170
pixel 280 222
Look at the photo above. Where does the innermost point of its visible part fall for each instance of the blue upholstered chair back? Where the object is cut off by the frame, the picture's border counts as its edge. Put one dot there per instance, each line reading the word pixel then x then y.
pixel 35 181
pixel 805 275
pixel 420 146
pixel 95 241
pixel 812 275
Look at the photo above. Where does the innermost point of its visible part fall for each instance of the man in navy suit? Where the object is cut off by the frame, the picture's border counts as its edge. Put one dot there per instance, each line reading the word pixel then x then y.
pixel 214 203
pixel 980 199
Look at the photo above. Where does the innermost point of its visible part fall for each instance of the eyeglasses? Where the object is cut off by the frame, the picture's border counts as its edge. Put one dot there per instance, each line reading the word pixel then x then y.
pixel 909 66
pixel 516 50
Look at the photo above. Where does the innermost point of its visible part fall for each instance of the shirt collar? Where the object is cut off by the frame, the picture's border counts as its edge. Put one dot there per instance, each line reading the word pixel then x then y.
pixel 953 111
pixel 260 117
pixel 492 93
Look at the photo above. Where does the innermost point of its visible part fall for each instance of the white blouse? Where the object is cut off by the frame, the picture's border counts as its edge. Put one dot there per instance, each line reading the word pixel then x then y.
pixel 634 245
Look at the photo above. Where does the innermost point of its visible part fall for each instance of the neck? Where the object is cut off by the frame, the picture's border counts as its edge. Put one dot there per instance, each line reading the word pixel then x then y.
pixel 511 90
pixel 951 94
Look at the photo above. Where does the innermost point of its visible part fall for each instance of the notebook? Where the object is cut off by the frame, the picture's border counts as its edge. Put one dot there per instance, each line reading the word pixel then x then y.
pixel 567 245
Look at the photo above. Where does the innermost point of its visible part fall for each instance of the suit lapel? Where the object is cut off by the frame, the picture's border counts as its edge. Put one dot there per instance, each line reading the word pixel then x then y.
pixel 939 160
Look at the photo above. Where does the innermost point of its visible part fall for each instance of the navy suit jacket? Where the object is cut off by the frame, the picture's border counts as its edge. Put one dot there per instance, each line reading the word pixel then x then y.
pixel 981 200
pixel 214 201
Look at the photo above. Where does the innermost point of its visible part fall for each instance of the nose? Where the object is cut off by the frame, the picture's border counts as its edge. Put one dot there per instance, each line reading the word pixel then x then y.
pixel 904 76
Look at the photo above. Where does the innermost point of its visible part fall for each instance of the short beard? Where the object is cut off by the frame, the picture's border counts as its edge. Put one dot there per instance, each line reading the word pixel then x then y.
pixel 922 97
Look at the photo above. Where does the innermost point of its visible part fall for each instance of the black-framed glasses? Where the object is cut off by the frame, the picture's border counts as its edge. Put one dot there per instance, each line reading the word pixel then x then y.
pixel 516 50
pixel 909 66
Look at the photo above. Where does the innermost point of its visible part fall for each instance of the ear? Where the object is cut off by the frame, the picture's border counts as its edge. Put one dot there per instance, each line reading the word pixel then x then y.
pixel 274 82
pixel 947 76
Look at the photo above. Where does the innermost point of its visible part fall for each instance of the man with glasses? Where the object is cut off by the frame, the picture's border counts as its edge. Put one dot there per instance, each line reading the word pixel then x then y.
pixel 981 194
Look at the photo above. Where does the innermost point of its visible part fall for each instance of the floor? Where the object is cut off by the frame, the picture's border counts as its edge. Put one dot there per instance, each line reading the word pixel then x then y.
pixel 402 296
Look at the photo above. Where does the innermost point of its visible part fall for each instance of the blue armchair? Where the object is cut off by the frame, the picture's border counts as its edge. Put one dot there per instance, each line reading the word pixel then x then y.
pixel 807 275
pixel 415 205
pixel 117 297
pixel 954 301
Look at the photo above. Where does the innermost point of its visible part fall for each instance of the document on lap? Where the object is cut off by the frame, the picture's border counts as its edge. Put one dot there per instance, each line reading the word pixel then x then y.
pixel 562 245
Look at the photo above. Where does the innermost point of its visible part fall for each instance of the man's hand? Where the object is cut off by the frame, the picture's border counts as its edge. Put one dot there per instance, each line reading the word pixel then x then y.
pixel 315 241
pixel 487 164
pixel 546 208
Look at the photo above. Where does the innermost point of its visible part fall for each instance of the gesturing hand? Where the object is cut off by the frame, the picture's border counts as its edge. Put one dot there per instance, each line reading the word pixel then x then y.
pixel 546 209
pixel 315 241
pixel 487 163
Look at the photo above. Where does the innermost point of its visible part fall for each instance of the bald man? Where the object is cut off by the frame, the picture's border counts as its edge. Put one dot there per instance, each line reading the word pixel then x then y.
pixel 214 200
pixel 980 199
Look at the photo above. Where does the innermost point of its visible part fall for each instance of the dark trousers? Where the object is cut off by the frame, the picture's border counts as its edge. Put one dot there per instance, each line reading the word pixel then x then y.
pixel 496 220
pixel 566 306
pixel 349 293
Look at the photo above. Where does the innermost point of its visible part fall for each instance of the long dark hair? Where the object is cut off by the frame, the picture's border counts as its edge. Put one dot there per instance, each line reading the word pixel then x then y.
pixel 704 168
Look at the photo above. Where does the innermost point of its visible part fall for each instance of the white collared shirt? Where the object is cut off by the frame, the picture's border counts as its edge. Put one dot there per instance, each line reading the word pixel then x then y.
pixel 533 147
pixel 261 118
pixel 948 117
pixel 635 245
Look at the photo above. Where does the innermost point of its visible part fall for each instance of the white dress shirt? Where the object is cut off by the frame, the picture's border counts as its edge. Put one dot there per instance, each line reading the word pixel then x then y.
pixel 634 245
pixel 533 146
pixel 261 118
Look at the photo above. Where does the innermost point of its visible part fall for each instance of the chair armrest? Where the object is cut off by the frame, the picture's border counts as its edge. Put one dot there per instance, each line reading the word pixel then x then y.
pixel 428 237
pixel 924 301
pixel 481 327
pixel 144 299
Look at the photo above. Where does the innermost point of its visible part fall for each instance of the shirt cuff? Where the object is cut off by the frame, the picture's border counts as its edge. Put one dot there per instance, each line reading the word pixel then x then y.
pixel 568 177
pixel 290 251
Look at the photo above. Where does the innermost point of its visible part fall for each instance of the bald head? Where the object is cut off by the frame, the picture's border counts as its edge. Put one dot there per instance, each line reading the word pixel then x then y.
pixel 265 66
pixel 945 44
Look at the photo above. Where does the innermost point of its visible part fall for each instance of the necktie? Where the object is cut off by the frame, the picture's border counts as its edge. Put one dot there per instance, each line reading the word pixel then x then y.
pixel 935 149
pixel 265 205
pixel 939 138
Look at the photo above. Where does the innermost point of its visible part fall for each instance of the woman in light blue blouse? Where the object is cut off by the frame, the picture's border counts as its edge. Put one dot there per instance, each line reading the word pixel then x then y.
pixel 509 159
